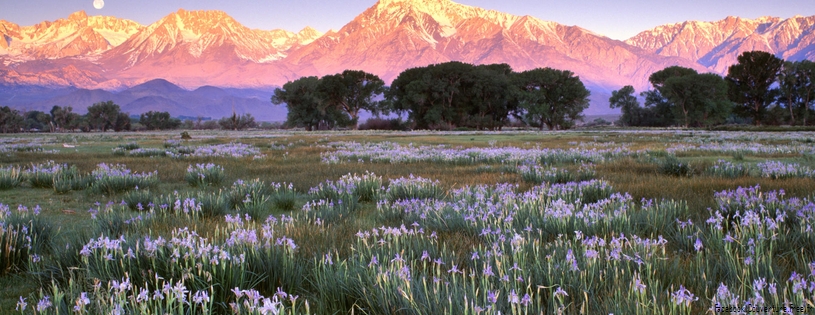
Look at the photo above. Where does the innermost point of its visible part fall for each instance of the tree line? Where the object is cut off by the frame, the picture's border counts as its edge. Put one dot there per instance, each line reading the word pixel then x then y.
pixel 760 88
pixel 439 96
pixel 104 116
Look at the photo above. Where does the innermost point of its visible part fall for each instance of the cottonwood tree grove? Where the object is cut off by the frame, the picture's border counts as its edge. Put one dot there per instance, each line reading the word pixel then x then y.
pixel 760 88
pixel 439 96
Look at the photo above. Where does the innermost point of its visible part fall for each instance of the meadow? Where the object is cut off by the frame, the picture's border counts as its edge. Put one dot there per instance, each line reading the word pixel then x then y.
pixel 513 222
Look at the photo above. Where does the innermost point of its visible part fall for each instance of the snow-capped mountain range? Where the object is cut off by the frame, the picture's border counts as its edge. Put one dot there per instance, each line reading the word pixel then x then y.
pixel 198 48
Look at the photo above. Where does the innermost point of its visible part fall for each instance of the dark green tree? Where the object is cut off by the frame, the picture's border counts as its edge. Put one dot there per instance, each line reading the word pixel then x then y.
pixel 629 105
pixel 153 120
pixel 491 96
pixel 751 84
pixel 796 82
pixel 444 90
pixel 106 115
pixel 306 107
pixel 434 96
pixel 64 118
pixel 122 122
pixel 352 91
pixel 658 78
pixel 37 120
pixel 698 99
pixel 10 120
pixel 658 111
pixel 550 97
pixel 407 95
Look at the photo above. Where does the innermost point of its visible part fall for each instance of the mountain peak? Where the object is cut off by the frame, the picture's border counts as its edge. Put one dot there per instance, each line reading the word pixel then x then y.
pixel 78 16
pixel 309 32
pixel 205 17
pixel 412 2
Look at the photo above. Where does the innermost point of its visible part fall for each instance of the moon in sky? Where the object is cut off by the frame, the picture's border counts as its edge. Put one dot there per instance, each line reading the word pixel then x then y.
pixel 98 4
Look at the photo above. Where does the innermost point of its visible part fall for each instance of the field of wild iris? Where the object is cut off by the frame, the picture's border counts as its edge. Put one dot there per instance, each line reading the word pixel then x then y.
pixel 623 222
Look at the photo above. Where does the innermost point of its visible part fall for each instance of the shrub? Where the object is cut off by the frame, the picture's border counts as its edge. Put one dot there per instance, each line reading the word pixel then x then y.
pixel 670 165
pixel 376 123
pixel 169 144
pixel 185 150
pixel 128 146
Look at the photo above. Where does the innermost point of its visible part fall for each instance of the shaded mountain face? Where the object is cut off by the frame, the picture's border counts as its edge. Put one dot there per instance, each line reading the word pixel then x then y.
pixel 209 48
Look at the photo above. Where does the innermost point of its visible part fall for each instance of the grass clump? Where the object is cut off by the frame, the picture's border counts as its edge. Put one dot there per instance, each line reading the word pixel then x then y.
pixel 116 178
pixel 138 200
pixel 24 235
pixel 413 187
pixel 43 175
pixel 539 174
pixel 11 177
pixel 283 196
pixel 202 175
pixel 727 169
pixel 66 183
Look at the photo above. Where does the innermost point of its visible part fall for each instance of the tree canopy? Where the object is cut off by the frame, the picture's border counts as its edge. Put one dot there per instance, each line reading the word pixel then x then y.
pixel 750 83
pixel 10 120
pixel 796 83
pixel 153 120
pixel 629 105
pixel 107 115
pixel 680 96
pixel 698 99
pixel 352 91
pixel 555 98
pixel 456 94
pixel 307 106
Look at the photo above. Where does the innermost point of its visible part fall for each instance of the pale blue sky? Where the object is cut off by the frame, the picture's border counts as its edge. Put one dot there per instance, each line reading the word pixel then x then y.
pixel 618 19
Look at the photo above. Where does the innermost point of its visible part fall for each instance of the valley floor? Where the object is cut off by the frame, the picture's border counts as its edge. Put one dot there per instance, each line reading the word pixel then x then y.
pixel 516 222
